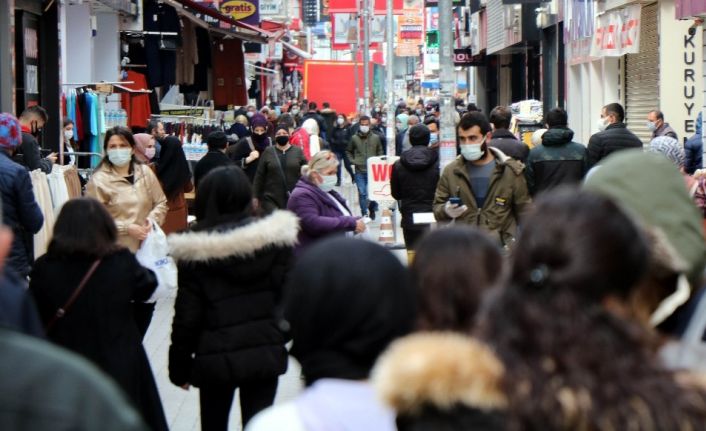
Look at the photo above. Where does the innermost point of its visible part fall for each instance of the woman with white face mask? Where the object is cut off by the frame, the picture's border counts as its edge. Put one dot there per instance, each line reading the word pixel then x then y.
pixel 321 210
pixel 128 188
pixel 69 142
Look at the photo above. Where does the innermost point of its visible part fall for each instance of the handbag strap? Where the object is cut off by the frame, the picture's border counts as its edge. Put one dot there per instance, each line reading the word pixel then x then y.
pixel 61 312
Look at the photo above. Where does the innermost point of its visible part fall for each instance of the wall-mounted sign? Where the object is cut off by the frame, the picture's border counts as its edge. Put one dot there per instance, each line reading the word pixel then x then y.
pixel 465 57
pixel 617 32
pixel 246 11
pixel 272 7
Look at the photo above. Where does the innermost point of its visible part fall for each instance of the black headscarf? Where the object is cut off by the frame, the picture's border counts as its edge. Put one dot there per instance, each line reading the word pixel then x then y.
pixel 346 300
pixel 172 168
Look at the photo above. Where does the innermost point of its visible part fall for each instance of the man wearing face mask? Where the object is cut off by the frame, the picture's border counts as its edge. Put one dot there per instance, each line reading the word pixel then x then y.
pixel 364 145
pixel 433 124
pixel 613 135
pixel 482 187
pixel 656 124
pixel 32 122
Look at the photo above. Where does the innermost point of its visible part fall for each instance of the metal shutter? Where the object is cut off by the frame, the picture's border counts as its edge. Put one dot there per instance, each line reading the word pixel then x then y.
pixel 642 76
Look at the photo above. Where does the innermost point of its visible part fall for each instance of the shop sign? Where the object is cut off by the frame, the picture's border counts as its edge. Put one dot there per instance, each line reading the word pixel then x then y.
pixel 617 33
pixel 410 33
pixel 271 7
pixel 242 10
pixel 465 57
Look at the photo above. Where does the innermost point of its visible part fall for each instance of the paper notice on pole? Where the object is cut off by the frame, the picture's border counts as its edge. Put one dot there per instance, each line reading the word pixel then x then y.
pixel 379 170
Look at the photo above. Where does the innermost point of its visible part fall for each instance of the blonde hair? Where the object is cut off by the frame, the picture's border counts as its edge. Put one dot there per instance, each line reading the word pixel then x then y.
pixel 321 161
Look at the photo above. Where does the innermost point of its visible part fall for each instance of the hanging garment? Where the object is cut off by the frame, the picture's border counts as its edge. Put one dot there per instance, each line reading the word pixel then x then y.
pixel 40 186
pixel 187 55
pixel 137 106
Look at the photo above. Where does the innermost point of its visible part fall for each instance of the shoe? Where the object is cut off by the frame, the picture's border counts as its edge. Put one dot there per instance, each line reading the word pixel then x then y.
pixel 371 209
pixel 338 184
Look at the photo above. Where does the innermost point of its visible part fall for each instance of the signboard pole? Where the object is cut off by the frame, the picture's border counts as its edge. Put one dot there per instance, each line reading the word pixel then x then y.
pixel 447 139
pixel 390 82
pixel 366 57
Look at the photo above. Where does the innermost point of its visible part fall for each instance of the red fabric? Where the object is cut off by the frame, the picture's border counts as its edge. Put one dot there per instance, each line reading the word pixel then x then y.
pixel 137 106
pixel 79 121
pixel 349 6
pixel 300 138
pixel 63 105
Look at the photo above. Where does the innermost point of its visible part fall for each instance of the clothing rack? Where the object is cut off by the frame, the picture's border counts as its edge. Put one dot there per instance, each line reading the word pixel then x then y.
pixel 149 33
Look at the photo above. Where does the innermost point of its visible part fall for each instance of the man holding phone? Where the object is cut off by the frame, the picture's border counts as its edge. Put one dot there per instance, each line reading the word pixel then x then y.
pixel 482 187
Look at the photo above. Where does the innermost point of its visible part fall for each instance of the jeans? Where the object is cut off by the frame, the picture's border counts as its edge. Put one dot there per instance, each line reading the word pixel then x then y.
pixel 343 159
pixel 216 402
pixel 361 181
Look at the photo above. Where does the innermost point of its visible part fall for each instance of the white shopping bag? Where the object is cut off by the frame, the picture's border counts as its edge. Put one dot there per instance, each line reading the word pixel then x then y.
pixel 154 254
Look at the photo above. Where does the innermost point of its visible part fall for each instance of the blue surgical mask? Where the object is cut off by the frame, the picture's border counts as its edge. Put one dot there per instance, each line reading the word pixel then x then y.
pixel 328 182
pixel 652 126
pixel 120 156
pixel 433 138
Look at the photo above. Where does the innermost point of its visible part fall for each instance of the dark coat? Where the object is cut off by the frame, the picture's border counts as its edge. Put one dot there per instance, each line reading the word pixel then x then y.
pixel 319 216
pixel 413 182
pixel 17 309
pixel 230 277
pixel 240 151
pixel 614 138
pixel 20 213
pixel 557 161
pixel 693 153
pixel 506 142
pixel 30 155
pixel 273 183
pixel 100 325
pixel 209 162
pixel 340 138
pixel 329 116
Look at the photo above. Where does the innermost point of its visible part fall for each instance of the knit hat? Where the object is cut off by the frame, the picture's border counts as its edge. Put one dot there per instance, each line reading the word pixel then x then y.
pixel 258 120
pixel 670 148
pixel 419 135
pixel 10 131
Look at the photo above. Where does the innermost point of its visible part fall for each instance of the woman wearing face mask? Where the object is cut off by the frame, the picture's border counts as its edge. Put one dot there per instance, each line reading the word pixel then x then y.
pixel 145 147
pixel 340 138
pixel 322 211
pixel 69 158
pixel 129 189
pixel 278 172
pixel 246 153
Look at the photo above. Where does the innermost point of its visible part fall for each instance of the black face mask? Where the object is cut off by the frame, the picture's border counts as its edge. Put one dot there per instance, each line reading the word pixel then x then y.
pixel 259 137
pixel 281 140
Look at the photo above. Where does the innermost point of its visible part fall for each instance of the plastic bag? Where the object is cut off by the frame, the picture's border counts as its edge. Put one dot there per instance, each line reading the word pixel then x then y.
pixel 154 254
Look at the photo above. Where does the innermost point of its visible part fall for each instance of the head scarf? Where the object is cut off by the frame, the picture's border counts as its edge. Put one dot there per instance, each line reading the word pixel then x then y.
pixel 346 300
pixel 403 119
pixel 258 120
pixel 670 148
pixel 172 168
pixel 312 128
pixel 141 142
pixel 10 131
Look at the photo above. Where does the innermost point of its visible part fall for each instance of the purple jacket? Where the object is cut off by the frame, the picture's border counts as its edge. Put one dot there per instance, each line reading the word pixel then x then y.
pixel 318 215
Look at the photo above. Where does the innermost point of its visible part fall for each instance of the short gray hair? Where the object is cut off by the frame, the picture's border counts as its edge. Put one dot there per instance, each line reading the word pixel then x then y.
pixel 321 161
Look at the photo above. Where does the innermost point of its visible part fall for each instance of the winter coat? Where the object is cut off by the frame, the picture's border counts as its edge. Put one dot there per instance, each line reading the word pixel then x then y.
pixel 340 138
pixel 329 116
pixel 274 182
pixel 693 153
pixel 20 213
pixel 361 148
pixel 129 202
pixel 212 160
pixel 665 130
pixel 506 142
pixel 239 152
pixel 177 211
pixel 507 197
pixel 413 182
pixel 319 216
pixel 614 138
pixel 17 308
pixel 557 161
pixel 29 154
pixel 230 277
pixel 100 325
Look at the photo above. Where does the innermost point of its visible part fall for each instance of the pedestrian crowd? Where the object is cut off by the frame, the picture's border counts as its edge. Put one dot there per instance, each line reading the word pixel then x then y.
pixel 561 288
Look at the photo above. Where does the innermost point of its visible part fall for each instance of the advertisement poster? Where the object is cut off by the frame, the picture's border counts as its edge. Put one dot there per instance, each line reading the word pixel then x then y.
pixel 246 11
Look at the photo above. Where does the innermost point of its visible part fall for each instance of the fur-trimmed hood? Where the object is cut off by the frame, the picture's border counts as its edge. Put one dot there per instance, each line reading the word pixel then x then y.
pixel 439 370
pixel 280 229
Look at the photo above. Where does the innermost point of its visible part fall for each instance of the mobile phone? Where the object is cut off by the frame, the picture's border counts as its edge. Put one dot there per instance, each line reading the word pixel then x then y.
pixel 455 201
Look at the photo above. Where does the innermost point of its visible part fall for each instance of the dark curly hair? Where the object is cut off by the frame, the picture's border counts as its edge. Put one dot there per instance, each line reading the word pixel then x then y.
pixel 571 363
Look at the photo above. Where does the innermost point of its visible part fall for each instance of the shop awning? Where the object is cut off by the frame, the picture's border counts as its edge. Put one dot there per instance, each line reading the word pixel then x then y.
pixel 238 29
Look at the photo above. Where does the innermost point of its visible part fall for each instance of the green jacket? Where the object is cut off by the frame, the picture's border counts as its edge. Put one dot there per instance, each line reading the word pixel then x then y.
pixel 361 148
pixel 507 197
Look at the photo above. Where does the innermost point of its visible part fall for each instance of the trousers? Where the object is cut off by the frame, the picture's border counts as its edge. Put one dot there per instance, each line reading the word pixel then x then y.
pixel 255 396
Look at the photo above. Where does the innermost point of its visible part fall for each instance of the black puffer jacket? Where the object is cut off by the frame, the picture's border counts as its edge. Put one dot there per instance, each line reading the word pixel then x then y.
pixel 413 182
pixel 506 142
pixel 224 330
pixel 614 138
pixel 340 138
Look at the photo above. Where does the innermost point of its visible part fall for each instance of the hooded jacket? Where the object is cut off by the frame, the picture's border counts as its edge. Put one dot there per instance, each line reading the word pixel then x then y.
pixel 413 182
pixel 507 196
pixel 556 161
pixel 614 138
pixel 506 142
pixel 329 116
pixel 693 150
pixel 230 277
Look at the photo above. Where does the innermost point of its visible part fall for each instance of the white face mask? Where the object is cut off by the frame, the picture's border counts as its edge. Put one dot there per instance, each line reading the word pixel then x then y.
pixel 250 114
pixel 68 134
pixel 472 152
pixel 651 126
pixel 328 182
pixel 364 129
pixel 602 124
pixel 433 138
pixel 340 121
pixel 150 152
pixel 120 156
